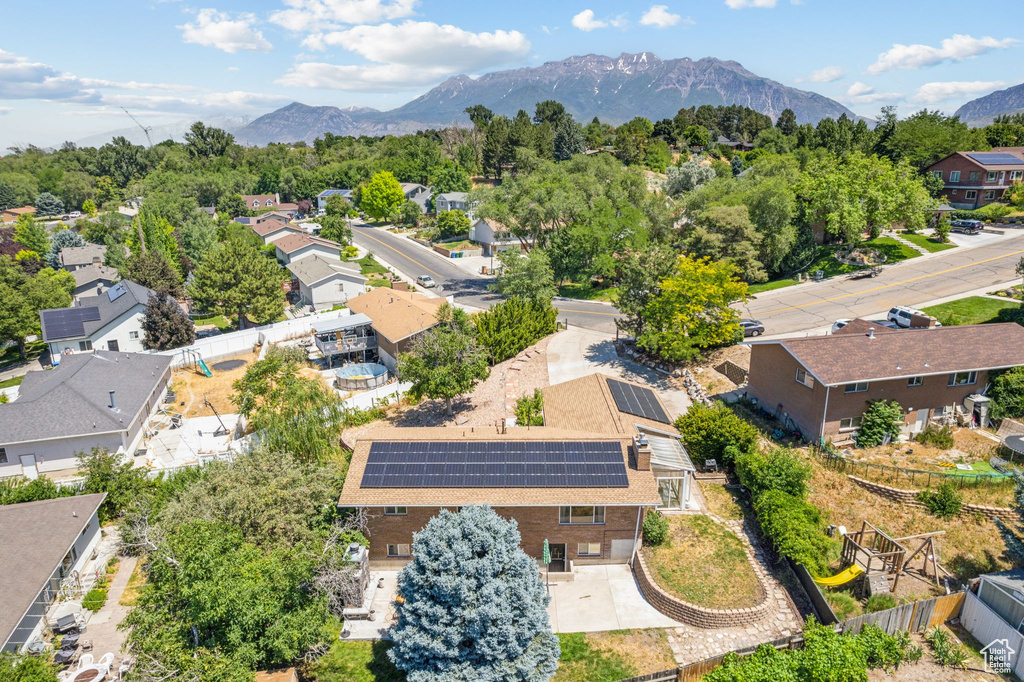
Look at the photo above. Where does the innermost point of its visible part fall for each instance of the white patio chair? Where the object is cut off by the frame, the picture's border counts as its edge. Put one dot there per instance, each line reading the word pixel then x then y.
pixel 84 660
pixel 106 659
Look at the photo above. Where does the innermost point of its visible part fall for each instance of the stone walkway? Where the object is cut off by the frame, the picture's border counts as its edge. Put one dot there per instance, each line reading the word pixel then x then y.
pixel 906 242
pixel 691 644
pixel 101 628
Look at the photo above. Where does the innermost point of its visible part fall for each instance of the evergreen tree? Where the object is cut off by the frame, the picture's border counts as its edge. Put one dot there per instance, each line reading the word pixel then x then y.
pixel 237 278
pixel 47 204
pixel 152 271
pixel 62 239
pixel 31 235
pixel 786 122
pixel 569 139
pixel 474 606
pixel 7 196
pixel 165 325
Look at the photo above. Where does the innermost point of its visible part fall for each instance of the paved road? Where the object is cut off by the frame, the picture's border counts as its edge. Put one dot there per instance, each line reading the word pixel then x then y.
pixel 414 261
pixel 914 282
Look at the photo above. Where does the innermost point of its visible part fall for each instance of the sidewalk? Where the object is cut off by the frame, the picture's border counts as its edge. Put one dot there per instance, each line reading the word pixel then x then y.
pixel 101 629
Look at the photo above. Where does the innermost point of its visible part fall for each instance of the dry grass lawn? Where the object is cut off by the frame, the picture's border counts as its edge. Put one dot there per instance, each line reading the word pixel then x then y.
pixel 968 446
pixel 134 586
pixel 610 656
pixel 193 387
pixel 704 563
pixel 724 502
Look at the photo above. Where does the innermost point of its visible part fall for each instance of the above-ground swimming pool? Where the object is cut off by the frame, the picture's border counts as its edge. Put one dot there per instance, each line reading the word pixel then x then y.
pixel 364 375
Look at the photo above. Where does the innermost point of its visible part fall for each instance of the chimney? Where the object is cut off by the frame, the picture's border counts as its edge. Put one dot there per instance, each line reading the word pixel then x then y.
pixel 871 333
pixel 113 399
pixel 642 448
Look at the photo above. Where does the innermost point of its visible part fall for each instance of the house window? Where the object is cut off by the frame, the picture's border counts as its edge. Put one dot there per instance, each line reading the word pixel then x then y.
pixel 954 176
pixel 398 550
pixel 859 387
pixel 395 511
pixel 849 424
pixel 3 455
pixel 963 378
pixel 970 194
pixel 133 335
pixel 86 529
pixel 990 194
pixel 990 176
pixel 802 377
pixel 915 381
pixel 973 176
pixel 269 202
pixel 84 345
pixel 588 549
pixel 1016 175
pixel 581 515
pixel 112 345
pixel 937 174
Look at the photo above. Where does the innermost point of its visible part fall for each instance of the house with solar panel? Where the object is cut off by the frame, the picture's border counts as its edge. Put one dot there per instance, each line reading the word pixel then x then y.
pixel 973 179
pixel 111 320
pixel 583 481
pixel 321 199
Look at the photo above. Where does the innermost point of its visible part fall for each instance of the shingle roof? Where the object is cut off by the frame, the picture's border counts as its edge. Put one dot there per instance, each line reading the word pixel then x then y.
pixel 293 242
pixel 262 198
pixel 72 399
pixel 893 354
pixel 586 404
pixel 135 294
pixel 94 273
pixel 35 539
pixel 453 196
pixel 268 227
pixel 397 314
pixel 642 488
pixel 311 270
pixel 82 255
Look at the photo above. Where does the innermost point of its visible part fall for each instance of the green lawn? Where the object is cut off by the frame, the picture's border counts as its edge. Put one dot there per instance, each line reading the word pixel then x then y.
pixel 588 293
pixel 970 310
pixel 929 244
pixel 894 250
pixel 769 286
pixel 221 322
pixel 355 662
pixel 368 265
pixel 13 381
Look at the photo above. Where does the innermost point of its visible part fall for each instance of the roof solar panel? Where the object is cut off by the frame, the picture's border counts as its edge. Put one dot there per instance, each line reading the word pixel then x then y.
pixel 68 322
pixel 997 159
pixel 115 292
pixel 495 464
pixel 638 401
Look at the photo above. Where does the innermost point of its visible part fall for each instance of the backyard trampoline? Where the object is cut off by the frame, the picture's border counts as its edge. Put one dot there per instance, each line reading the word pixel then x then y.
pixel 228 364
pixel 362 376
pixel 1014 444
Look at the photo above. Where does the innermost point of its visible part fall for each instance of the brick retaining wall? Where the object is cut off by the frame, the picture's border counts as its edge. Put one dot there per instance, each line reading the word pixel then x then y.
pixel 909 498
pixel 699 616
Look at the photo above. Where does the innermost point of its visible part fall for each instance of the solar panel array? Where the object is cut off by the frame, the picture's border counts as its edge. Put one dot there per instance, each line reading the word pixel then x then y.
pixel 115 292
pixel 638 401
pixel 996 159
pixel 495 464
pixel 68 323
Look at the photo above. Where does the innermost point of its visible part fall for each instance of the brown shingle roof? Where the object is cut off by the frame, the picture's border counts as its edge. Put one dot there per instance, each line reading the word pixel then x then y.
pixel 293 242
pixel 270 226
pixel 642 488
pixel 893 354
pixel 397 314
pixel 586 404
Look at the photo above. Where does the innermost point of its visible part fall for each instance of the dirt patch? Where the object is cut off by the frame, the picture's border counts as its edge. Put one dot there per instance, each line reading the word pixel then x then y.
pixel 968 446
pixel 713 381
pixel 193 387
pixel 927 670
pixel 645 650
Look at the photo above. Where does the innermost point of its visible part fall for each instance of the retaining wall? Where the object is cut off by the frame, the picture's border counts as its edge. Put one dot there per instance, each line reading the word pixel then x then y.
pixel 909 498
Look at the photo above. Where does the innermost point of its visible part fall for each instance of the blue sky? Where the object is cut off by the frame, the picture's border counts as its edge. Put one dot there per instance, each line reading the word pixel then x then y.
pixel 66 67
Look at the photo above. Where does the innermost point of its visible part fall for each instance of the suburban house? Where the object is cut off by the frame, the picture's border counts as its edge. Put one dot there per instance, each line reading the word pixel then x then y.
pixel 74 257
pixel 254 202
pixel 494 237
pixel 321 199
pixel 287 209
pixel 272 230
pixel 10 215
pixel 44 545
pixel 994 614
pixel 110 321
pixel 93 280
pixel 326 282
pixel 399 317
pixel 99 399
pixel 734 145
pixel 280 216
pixel 417 193
pixel 585 493
pixel 451 201
pixel 598 403
pixel 347 339
pixel 823 384
pixel 299 245
pixel 974 179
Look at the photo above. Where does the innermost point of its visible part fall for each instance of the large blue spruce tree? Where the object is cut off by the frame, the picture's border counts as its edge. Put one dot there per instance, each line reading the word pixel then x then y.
pixel 475 607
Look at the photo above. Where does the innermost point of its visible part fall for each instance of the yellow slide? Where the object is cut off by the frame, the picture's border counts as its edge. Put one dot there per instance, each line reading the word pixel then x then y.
pixel 842 577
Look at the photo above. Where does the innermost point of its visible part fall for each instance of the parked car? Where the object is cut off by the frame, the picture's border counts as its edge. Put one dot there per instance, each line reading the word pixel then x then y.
pixel 65 218
pixel 967 226
pixel 751 327
pixel 426 281
pixel 75 214
pixel 900 315
pixel 839 324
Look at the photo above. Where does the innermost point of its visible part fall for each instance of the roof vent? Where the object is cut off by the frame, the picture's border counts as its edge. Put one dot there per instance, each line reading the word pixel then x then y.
pixel 113 399
pixel 871 333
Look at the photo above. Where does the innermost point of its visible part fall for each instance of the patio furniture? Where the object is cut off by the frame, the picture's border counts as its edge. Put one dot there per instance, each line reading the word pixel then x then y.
pixel 87 645
pixel 106 659
pixel 65 657
pixel 66 624
pixel 70 641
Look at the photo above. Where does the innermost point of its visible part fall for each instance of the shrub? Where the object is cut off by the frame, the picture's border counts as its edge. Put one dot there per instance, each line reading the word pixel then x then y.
pixel 842 604
pixel 1007 394
pixel 796 530
pixel 95 598
pixel 509 327
pixel 939 436
pixel 780 469
pixel 880 602
pixel 530 409
pixel 708 433
pixel 945 502
pixel 655 528
pixel 948 653
pixel 882 418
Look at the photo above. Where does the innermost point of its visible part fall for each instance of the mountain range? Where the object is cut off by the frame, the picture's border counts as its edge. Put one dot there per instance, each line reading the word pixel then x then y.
pixel 615 89
pixel 981 111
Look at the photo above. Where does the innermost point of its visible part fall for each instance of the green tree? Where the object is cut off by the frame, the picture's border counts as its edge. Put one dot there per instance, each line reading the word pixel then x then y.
pixel 526 276
pixel 381 196
pixel 716 433
pixel 337 205
pixel 269 181
pixel 121 161
pixel 237 278
pixel 206 142
pixel 488 609
pixel 153 271
pixel 22 297
pixel 27 668
pixel 165 325
pixel 480 115
pixel 446 361
pixel 786 122
pixel 692 311
pixel 232 206
pixel 514 325
pixel 725 233
pixel 31 235
pixel 450 178
pixel 569 140
pixel 658 156
pixel 882 421
pixel 336 229
pixel 197 237
pixel 687 177
pixel 48 205
pixel 411 213
pixel 641 273
pixel 108 472
pixel 497 149
pixel 89 208
pixel 452 223
pixel 62 239
pixel 7 196
pixel 1007 394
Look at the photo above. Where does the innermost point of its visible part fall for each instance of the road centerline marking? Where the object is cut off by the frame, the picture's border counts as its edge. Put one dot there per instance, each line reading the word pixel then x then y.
pixel 409 258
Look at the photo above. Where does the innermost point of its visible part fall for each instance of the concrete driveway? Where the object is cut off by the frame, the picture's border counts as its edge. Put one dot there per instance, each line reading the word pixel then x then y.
pixel 577 352
pixel 602 598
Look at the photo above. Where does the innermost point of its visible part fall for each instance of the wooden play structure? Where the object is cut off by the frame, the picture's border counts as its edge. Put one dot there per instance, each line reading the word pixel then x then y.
pixel 884 559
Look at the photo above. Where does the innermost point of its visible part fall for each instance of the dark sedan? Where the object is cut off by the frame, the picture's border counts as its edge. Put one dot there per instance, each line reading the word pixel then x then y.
pixel 751 327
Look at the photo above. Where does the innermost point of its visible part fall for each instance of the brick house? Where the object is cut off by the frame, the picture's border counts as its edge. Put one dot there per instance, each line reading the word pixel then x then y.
pixel 399 317
pixel 823 384
pixel 974 179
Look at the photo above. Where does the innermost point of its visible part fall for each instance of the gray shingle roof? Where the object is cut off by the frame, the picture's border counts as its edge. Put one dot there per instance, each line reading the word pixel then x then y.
pixel 109 310
pixel 35 539
pixel 94 273
pixel 82 255
pixel 312 269
pixel 72 399
pixel 452 196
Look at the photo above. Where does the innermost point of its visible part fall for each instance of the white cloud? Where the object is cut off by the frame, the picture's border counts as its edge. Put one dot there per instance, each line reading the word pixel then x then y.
pixel 740 4
pixel 303 15
pixel 219 30
pixel 861 93
pixel 232 68
pixel 658 15
pixel 957 48
pixel 585 21
pixel 859 88
pixel 548 29
pixel 827 74
pixel 360 78
pixel 5 110
pixel 930 93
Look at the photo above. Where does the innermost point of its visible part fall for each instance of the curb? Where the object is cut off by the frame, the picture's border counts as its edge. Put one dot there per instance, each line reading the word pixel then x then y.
pixel 581 300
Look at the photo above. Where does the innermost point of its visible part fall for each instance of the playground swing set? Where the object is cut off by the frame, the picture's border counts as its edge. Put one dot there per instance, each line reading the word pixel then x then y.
pixel 193 359
pixel 882 559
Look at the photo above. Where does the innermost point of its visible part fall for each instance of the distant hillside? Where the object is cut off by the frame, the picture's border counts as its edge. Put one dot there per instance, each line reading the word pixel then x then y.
pixel 981 111
pixel 613 89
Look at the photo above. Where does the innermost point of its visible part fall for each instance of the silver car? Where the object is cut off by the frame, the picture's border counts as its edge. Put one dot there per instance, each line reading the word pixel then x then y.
pixel 426 281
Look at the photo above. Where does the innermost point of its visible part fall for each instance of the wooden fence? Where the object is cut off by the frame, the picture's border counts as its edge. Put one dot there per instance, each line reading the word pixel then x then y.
pixel 732 371
pixel 898 475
